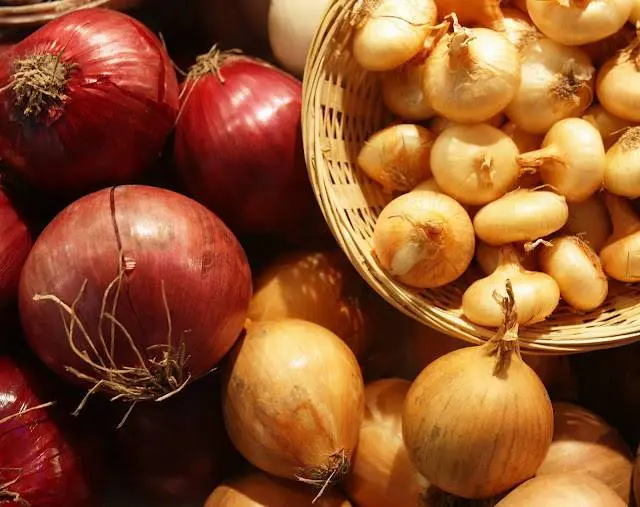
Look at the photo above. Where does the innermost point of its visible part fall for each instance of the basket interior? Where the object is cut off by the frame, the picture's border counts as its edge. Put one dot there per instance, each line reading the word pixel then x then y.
pixel 343 107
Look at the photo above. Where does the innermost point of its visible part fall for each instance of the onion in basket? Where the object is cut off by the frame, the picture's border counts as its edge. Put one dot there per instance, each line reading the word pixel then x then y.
pixel 424 238
pixel 397 157
pixel 521 215
pixel 392 32
pixel 479 421
pixel 619 256
pixel 439 124
pixel 484 12
pixel 402 92
pixel 536 294
pixel 590 220
pixel 474 164
pixel 622 173
pixel 488 257
pixel 609 125
pixel 472 74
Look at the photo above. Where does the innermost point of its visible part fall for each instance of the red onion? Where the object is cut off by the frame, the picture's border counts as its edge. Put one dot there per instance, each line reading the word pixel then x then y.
pixel 177 451
pixel 238 143
pixel 15 243
pixel 42 463
pixel 158 282
pixel 114 100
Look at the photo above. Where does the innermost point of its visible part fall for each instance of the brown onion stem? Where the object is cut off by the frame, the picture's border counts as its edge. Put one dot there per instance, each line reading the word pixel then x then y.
pixel 505 342
pixel 538 157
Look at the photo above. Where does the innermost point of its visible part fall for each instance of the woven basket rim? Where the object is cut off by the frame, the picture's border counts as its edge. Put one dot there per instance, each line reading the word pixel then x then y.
pixel 43 11
pixel 563 339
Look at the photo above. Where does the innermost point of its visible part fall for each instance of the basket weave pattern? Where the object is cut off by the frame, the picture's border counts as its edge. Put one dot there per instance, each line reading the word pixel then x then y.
pixel 41 12
pixel 342 107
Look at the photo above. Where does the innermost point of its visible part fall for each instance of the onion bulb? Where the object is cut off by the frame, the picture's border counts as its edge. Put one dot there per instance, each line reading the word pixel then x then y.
pixel 556 83
pixel 561 491
pixel 621 254
pixel 320 287
pixel 622 172
pixel 392 32
pixel 429 184
pixel 293 400
pixel 471 74
pixel 536 294
pixel 521 215
pixel 590 221
pixel 439 124
pixel 609 125
pixel 470 12
pixel 618 83
pixel 573 264
pixel 571 160
pixel 424 238
pixel 518 28
pixel 575 22
pixel 260 490
pixel 635 14
pixel 583 442
pixel 397 157
pixel 488 257
pixel 402 92
pixel 382 474
pixel 479 421
pixel 475 164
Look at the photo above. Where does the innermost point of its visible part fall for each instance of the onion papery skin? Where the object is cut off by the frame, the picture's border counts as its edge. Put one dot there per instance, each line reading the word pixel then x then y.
pixel 238 145
pixel 168 243
pixel 473 431
pixel 260 490
pixel 15 243
pixel 320 287
pixel 41 449
pixel 121 102
pixel 561 491
pixel 293 400
pixel 584 442
pixel 176 451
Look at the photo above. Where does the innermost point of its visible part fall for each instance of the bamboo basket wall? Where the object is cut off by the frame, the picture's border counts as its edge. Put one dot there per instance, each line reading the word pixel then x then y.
pixel 342 107
pixel 30 12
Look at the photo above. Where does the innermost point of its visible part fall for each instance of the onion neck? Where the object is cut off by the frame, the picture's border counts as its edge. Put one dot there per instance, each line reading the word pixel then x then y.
pixel 504 345
pixel 460 54
pixel 624 219
pixel 536 158
pixel 39 83
pixel 508 261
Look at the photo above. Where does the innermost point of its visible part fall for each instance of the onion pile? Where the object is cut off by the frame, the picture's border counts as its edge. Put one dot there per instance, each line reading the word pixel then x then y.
pixel 293 401
pixel 88 100
pixel 155 291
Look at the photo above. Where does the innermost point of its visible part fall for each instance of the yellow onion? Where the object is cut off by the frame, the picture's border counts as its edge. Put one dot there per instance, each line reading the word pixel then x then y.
pixel 609 125
pixel 382 474
pixel 620 255
pixel 584 442
pixel 484 12
pixel 402 92
pixel 562 490
pixel 321 287
pixel 478 421
pixel 293 400
pixel 260 490
pixel 590 220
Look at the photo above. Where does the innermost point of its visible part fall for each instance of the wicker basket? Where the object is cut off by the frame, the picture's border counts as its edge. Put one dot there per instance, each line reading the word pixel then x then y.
pixel 342 107
pixel 36 13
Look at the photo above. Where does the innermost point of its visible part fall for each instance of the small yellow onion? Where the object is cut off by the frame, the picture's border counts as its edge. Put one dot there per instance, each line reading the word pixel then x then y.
pixel 562 490
pixel 518 28
pixel 321 287
pixel 622 172
pixel 584 442
pixel 439 124
pixel 609 125
pixel 382 474
pixel 293 400
pixel 475 164
pixel 600 51
pixel 635 17
pixel 402 92
pixel 479 421
pixel 572 159
pixel 521 215
pixel 397 157
pixel 621 254
pixel 260 490
pixel 556 83
pixel 488 257
pixel 618 83
pixel 573 264
pixel 392 32
pixel 590 221
pixel 469 12
pixel 536 294
pixel 575 22
pixel 471 74
pixel 425 239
